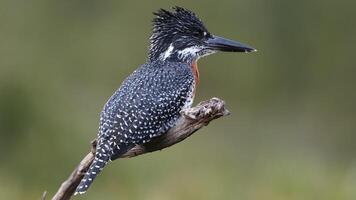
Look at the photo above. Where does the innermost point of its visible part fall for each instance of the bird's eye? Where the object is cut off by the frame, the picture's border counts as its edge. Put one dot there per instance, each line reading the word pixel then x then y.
pixel 198 34
pixel 201 34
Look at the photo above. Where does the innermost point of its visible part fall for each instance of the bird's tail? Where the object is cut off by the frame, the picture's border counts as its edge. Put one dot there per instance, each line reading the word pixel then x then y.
pixel 95 168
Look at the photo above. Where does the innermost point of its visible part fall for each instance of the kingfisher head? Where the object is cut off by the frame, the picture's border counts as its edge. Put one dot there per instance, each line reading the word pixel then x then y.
pixel 181 36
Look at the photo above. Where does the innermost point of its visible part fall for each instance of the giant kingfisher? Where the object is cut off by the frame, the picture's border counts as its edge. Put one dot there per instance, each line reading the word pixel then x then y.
pixel 149 101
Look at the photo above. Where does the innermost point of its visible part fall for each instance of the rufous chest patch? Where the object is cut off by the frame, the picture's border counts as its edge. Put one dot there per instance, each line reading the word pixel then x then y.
pixel 195 72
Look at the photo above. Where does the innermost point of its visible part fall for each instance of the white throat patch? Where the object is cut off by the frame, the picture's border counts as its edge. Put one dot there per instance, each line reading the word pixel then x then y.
pixel 191 51
pixel 194 52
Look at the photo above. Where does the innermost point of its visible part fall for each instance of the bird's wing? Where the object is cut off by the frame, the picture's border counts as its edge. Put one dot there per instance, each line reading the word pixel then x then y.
pixel 146 105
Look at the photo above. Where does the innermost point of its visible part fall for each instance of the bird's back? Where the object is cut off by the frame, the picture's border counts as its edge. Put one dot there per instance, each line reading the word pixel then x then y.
pixel 146 105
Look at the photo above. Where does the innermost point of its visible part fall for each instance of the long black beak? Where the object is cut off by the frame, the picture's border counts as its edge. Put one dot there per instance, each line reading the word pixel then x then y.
pixel 222 44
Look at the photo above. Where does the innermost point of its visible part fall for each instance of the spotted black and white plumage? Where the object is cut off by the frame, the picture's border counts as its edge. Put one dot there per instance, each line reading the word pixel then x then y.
pixel 145 106
pixel 149 101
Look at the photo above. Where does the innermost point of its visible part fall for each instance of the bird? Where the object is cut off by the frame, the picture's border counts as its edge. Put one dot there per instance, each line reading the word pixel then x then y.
pixel 149 101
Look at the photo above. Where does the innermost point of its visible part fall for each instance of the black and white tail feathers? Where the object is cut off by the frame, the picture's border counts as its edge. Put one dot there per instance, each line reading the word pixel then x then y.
pixel 103 155
pixel 95 168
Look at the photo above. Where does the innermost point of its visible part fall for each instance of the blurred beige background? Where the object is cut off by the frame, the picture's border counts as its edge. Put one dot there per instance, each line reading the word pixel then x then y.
pixel 291 134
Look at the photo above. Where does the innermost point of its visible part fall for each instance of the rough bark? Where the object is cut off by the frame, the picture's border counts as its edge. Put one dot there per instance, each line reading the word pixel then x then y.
pixel 192 120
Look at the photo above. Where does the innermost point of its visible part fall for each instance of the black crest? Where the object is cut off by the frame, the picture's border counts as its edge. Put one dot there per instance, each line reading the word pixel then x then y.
pixel 169 26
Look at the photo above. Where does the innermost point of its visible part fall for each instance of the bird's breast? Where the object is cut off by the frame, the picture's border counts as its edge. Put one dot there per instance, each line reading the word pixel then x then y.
pixel 191 93
pixel 195 72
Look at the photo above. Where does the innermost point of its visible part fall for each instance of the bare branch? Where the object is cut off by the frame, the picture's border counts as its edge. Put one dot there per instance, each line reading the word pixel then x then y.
pixel 193 119
pixel 44 195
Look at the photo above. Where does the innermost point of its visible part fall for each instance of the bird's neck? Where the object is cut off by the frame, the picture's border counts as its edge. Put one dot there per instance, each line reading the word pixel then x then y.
pixel 178 57
pixel 190 61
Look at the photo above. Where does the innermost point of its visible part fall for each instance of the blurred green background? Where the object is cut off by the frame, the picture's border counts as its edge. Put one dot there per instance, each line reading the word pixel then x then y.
pixel 291 134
